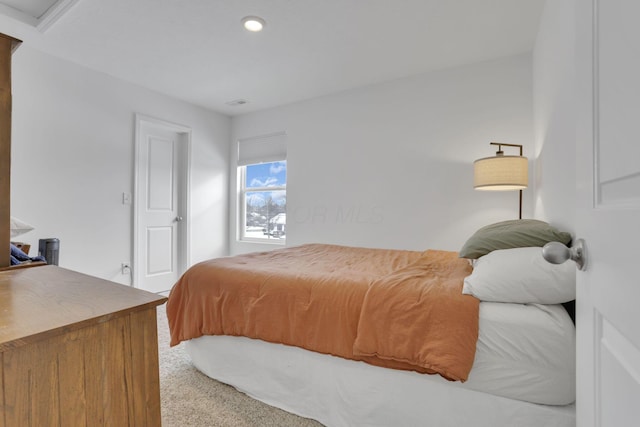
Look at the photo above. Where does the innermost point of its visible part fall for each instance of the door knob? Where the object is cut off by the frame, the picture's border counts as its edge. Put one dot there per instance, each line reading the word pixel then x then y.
pixel 557 253
pixel 178 218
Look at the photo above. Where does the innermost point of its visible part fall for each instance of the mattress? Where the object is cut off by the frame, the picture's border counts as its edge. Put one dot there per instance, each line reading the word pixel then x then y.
pixel 525 352
pixel 523 375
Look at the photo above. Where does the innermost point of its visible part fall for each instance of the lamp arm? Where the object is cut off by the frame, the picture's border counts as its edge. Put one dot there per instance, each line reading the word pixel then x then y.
pixel 500 144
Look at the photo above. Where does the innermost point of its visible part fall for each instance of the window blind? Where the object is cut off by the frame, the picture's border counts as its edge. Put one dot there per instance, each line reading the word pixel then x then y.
pixel 262 149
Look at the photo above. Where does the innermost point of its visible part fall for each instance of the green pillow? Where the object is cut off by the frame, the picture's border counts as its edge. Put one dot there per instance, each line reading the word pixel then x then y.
pixel 517 233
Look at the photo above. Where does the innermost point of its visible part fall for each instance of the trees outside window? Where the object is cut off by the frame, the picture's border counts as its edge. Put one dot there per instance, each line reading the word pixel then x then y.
pixel 264 201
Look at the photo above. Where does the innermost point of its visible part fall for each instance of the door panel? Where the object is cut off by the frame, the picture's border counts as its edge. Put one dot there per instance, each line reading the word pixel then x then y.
pixel 161 249
pixel 619 371
pixel 618 67
pixel 608 195
pixel 160 179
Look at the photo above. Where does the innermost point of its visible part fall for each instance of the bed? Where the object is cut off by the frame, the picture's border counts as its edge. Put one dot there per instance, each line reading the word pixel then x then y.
pixel 357 336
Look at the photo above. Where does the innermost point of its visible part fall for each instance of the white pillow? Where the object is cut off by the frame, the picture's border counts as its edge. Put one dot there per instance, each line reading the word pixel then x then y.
pixel 521 276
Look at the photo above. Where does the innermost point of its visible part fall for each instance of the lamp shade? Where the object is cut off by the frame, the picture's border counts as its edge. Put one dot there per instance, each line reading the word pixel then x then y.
pixel 501 173
pixel 18 227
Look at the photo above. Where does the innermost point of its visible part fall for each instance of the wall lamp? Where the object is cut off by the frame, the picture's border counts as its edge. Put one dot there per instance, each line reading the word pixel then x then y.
pixel 502 173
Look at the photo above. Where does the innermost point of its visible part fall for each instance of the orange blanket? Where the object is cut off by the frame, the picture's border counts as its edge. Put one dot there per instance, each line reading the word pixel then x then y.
pixel 398 309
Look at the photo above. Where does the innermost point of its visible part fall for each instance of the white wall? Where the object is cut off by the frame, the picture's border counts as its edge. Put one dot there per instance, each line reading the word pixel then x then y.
pixel 72 158
pixel 391 165
pixel 554 115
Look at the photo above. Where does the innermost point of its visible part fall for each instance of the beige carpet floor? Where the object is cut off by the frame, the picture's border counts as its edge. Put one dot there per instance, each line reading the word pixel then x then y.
pixel 190 398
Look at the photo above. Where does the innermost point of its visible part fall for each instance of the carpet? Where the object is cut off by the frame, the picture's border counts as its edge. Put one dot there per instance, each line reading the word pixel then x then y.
pixel 190 398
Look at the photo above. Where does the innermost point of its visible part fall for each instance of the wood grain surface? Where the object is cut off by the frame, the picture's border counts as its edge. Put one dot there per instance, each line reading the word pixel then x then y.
pixel 5 146
pixel 76 351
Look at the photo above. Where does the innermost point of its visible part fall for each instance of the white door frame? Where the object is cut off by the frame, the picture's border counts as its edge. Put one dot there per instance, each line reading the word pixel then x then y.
pixel 184 230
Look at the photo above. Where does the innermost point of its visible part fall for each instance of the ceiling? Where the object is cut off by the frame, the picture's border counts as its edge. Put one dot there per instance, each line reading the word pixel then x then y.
pixel 33 8
pixel 197 50
pixel 40 14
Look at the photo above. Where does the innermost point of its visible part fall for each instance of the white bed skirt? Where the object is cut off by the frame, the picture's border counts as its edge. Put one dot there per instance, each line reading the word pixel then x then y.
pixel 339 392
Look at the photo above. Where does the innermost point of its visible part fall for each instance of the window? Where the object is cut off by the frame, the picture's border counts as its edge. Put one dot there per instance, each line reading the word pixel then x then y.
pixel 262 185
pixel 264 201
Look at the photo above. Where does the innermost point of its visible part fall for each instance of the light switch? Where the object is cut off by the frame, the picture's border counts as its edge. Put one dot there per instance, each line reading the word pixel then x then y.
pixel 126 198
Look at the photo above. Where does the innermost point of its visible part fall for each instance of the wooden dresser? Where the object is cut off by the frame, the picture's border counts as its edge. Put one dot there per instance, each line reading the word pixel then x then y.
pixel 76 351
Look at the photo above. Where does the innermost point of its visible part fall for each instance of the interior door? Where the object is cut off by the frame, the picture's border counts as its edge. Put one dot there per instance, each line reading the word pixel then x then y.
pixel 160 206
pixel 608 172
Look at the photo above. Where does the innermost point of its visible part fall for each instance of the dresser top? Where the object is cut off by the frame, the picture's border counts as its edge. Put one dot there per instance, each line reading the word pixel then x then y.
pixel 39 302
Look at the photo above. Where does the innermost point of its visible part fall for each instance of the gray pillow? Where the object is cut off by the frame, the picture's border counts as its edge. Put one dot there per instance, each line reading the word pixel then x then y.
pixel 517 233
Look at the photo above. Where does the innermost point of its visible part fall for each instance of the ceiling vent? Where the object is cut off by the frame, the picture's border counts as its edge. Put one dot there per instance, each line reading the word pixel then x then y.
pixel 237 102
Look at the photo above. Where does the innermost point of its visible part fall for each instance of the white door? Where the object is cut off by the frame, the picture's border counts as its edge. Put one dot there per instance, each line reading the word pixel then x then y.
pixel 160 204
pixel 608 171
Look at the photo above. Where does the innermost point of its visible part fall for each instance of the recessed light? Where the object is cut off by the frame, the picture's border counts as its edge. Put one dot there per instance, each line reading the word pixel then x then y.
pixel 253 23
